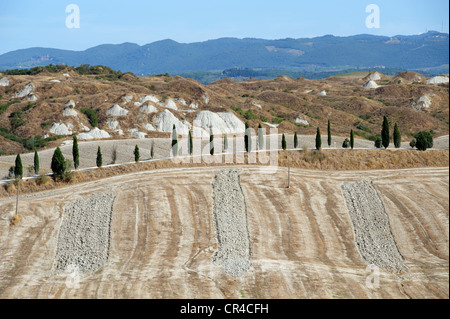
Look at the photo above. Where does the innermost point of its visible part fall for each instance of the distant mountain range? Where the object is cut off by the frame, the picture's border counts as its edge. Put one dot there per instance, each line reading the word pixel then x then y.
pixel 427 53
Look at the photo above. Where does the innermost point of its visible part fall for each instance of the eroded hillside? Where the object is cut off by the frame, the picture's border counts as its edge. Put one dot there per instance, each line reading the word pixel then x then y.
pixel 39 110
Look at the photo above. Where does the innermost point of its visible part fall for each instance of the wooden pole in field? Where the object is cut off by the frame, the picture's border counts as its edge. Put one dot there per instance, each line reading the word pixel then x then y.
pixel 17 199
pixel 289 171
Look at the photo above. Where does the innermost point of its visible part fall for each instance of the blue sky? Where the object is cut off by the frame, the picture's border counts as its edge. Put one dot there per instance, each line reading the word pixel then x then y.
pixel 42 23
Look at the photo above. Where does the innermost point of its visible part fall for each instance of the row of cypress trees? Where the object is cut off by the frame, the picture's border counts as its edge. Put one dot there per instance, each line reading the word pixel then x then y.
pixel 59 165
pixel 385 138
pixel 385 134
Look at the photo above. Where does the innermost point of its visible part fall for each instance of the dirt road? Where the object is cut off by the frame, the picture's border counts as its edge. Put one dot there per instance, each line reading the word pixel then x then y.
pixel 162 149
pixel 163 237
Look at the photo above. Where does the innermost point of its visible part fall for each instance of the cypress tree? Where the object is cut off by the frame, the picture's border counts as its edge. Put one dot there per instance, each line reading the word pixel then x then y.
pixel 211 142
pixel 329 133
pixel 260 137
pixel 75 153
pixel 136 154
pixel 247 139
pixel 295 140
pixel 174 141
pixel 283 142
pixel 36 163
pixel 190 146
pixel 99 158
pixel 225 142
pixel 58 164
pixel 385 133
pixel 397 136
pixel 114 154
pixel 18 169
pixel 318 139
pixel 352 139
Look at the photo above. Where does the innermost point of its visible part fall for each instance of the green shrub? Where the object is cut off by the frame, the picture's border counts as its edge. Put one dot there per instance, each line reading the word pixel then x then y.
pixel 92 116
pixel 29 106
pixel 239 110
pixel 34 143
pixel 67 176
pixel 424 140
pixel 363 127
pixel 378 142
pixel 277 120
pixel 15 120
pixel 45 124
pixel 42 180
pixel 4 107
pixel 346 143
pixel 263 118
pixel 384 102
pixel 249 115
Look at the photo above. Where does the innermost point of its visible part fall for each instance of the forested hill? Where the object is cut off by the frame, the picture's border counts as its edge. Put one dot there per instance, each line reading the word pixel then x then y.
pixel 426 52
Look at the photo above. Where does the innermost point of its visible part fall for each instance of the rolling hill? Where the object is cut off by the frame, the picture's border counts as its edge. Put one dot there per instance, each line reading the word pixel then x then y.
pixel 426 52
pixel 97 102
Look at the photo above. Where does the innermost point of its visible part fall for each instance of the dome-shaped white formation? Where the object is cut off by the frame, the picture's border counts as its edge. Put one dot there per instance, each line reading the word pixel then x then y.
pixel 438 80
pixel 371 85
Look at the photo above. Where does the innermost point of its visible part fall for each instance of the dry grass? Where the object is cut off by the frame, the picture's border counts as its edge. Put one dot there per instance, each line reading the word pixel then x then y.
pixel 327 160
pixel 337 160
pixel 15 220
pixel 281 99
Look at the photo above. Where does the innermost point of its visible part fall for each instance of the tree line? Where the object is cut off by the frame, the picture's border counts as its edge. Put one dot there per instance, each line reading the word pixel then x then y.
pixel 61 167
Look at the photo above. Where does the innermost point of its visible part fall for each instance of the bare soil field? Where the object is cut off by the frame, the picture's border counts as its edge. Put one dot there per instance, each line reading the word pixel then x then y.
pixel 164 235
